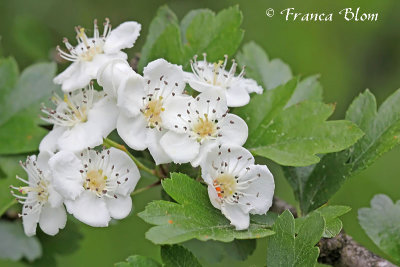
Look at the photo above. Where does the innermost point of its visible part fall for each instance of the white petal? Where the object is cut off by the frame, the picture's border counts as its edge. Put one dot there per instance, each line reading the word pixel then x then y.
pixel 199 85
pixel 124 36
pixel 133 131
pixel 259 192
pixel 30 221
pixel 119 207
pixel 49 142
pixel 179 147
pixel 42 160
pixel 73 77
pixel 112 73
pixel 236 215
pixel 79 137
pixel 250 85
pixel 67 179
pixel 213 195
pixel 102 118
pixel 161 70
pixel 234 130
pixel 80 73
pixel 100 123
pixel 211 102
pixel 55 199
pixel 154 146
pixel 89 209
pixel 52 219
pixel 205 148
pixel 122 162
pixel 175 113
pixel 237 96
pixel 130 95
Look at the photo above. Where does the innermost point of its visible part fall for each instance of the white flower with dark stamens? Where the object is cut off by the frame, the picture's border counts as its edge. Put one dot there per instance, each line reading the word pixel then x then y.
pixel 213 76
pixel 96 185
pixel 90 54
pixel 142 102
pixel 236 186
pixel 81 119
pixel 40 202
pixel 198 124
pixel 111 75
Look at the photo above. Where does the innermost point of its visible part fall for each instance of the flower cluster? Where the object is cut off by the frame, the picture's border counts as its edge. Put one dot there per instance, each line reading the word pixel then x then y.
pixel 150 111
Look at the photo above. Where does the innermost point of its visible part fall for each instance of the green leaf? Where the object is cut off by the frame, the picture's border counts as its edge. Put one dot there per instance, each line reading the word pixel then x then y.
pixel 315 185
pixel 201 31
pixel 381 222
pixel 293 135
pixel 178 256
pixel 15 245
pixel 138 261
pixel 307 89
pixel 19 114
pixel 192 217
pixel 285 248
pixel 211 252
pixel 331 214
pixel 270 73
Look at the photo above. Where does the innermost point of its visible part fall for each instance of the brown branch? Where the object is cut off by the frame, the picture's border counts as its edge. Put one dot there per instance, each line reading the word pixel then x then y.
pixel 341 250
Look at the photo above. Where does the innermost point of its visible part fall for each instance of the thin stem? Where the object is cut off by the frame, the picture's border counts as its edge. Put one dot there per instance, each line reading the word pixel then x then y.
pixel 140 190
pixel 110 143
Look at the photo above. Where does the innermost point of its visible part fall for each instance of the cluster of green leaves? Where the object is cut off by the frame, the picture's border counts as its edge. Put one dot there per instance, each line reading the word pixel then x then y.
pixel 315 185
pixel 381 222
pixel 288 124
pixel 200 31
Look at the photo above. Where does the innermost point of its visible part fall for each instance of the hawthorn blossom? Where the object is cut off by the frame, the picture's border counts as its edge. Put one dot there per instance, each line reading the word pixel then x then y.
pixel 81 119
pixel 236 186
pixel 214 76
pixel 142 101
pixel 40 202
pixel 96 185
pixel 198 124
pixel 90 54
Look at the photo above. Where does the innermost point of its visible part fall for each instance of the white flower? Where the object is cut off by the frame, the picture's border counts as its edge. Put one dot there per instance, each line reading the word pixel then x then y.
pixel 91 53
pixel 213 76
pixel 198 124
pixel 111 75
pixel 81 119
pixel 142 101
pixel 96 185
pixel 236 186
pixel 41 203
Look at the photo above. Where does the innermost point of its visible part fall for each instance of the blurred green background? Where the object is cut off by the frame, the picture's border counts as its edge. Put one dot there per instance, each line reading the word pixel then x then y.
pixel 350 56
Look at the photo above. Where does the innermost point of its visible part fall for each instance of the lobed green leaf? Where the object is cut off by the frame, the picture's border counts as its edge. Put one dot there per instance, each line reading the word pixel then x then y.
pixel 285 248
pixel 315 185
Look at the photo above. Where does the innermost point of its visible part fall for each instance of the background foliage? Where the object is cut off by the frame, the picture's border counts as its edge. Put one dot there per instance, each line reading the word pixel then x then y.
pixel 349 56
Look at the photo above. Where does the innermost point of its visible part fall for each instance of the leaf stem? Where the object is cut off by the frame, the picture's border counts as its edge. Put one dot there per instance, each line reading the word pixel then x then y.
pixel 140 190
pixel 110 143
